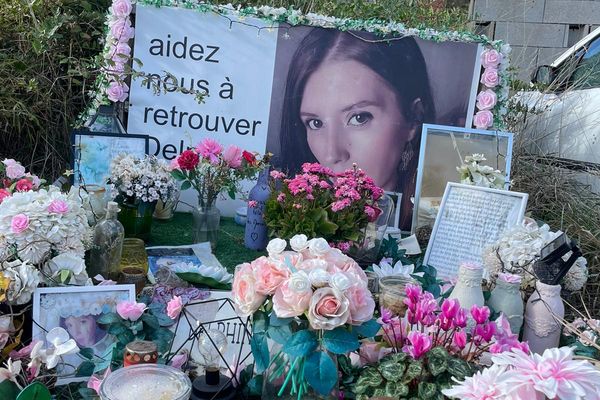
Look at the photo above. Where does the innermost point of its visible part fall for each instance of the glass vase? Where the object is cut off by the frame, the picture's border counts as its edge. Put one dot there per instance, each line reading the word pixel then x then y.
pixel 134 264
pixel 207 222
pixel 137 219
pixel 164 211
pixel 275 377
pixel 366 252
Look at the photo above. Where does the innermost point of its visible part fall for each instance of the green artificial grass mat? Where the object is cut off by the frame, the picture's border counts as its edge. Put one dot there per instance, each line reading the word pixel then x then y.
pixel 230 250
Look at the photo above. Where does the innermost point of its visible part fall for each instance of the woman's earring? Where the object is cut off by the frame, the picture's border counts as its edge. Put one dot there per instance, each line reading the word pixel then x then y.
pixel 407 155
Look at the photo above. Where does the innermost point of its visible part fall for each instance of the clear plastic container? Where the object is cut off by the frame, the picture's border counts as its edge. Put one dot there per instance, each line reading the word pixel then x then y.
pixel 146 381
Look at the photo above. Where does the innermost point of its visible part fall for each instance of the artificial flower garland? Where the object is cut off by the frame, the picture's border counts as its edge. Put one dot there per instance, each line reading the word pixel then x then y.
pixel 110 85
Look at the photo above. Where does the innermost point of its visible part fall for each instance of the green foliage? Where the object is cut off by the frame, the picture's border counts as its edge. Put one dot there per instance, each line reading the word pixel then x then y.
pixel 47 64
pixel 35 391
pixel 203 281
pixel 8 390
pixel 401 377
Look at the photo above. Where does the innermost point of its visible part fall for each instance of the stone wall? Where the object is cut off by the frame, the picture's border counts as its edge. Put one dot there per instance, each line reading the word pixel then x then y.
pixel 538 30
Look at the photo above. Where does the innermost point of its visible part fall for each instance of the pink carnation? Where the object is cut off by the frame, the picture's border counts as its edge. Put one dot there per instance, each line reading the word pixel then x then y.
pixel 233 156
pixel 58 207
pixel 210 149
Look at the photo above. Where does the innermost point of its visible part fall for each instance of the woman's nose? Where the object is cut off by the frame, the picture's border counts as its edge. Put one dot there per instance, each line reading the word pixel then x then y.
pixel 335 148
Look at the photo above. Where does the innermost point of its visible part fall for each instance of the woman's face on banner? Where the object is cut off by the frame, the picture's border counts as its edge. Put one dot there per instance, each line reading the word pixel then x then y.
pixel 352 115
pixel 82 329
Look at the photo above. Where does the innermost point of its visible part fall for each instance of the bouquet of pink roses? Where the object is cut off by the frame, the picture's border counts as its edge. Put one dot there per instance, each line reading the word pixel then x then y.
pixel 312 300
pixel 13 178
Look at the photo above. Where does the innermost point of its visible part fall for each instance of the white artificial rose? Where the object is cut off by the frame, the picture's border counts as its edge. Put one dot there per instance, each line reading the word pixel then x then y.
pixel 319 277
pixel 276 246
pixel 340 281
pixel 299 282
pixel 299 242
pixel 328 309
pixel 318 247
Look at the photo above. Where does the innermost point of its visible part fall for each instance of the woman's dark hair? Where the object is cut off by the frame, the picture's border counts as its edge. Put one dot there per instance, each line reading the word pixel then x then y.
pixel 399 62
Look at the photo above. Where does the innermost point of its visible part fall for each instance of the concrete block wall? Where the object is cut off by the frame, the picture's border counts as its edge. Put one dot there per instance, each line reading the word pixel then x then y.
pixel 538 30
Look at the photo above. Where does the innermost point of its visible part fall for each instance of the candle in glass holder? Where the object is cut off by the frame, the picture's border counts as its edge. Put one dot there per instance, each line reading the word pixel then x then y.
pixel 392 293
pixel 140 352
pixel 134 263
pixel 146 381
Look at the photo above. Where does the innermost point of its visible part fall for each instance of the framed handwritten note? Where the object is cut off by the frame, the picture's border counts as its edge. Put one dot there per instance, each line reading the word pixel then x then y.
pixel 470 218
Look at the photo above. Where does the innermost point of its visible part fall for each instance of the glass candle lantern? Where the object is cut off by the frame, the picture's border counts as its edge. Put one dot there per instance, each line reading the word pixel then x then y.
pixel 134 263
pixel 392 292
pixel 146 381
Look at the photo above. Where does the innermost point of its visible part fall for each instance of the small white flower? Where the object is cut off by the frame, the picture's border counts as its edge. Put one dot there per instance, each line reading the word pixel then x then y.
pixel 299 242
pixel 276 246
pixel 318 247
pixel 299 282
pixel 12 370
pixel 318 277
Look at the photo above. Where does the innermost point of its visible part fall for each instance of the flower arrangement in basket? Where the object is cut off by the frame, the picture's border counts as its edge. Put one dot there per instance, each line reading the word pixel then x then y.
pixel 321 203
pixel 313 303
pixel 210 169
pixel 420 353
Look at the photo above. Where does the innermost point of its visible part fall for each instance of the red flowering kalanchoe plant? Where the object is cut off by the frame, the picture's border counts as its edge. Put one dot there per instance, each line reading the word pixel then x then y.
pixel 320 203
pixel 211 169
pixel 13 178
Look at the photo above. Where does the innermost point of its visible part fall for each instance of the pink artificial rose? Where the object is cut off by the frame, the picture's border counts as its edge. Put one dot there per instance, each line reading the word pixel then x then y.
pixel 19 223
pixel 268 275
pixel 130 310
pixel 491 58
pixel 328 309
pixel 311 264
pixel 23 185
pixel 121 29
pixel 14 170
pixel 290 299
pixel 3 195
pixel 362 304
pixel 119 52
pixel 121 8
pixel 490 77
pixel 483 119
pixel 233 156
pixel 246 299
pixel 174 307
pixel 486 100
pixel 117 91
pixel 58 207
pixel 287 257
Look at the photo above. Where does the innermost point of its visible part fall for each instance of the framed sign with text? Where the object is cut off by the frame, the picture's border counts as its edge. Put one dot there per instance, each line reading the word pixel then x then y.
pixel 469 219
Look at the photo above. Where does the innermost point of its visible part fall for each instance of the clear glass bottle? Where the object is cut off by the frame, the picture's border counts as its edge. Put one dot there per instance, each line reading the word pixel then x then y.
pixel 105 254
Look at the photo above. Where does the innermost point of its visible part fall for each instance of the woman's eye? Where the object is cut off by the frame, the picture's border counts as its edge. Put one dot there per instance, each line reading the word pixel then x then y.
pixel 314 124
pixel 360 119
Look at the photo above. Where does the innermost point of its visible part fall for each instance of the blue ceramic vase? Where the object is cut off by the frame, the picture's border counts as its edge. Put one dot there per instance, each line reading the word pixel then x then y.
pixel 256 236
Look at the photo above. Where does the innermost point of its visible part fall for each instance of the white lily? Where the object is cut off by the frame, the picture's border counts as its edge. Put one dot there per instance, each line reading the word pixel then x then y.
pixel 385 269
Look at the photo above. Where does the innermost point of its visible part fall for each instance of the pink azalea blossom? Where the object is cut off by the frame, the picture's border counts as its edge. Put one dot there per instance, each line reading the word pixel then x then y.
pixel 210 149
pixel 130 310
pixel 174 307
pixel 58 207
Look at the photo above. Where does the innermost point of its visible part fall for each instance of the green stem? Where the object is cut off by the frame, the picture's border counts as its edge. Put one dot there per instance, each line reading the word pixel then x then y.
pixel 287 378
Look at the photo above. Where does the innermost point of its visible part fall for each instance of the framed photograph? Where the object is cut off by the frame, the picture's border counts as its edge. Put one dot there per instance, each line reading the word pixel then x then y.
pixel 469 219
pixel 76 309
pixel 93 152
pixel 443 150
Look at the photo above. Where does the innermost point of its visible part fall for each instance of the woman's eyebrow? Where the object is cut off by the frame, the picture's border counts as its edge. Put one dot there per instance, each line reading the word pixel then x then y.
pixel 307 114
pixel 364 103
